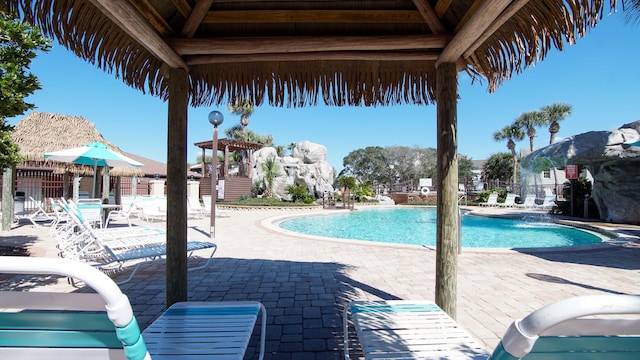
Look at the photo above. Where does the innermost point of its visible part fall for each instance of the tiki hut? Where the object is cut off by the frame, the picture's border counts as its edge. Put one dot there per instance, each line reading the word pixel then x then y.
pixel 300 53
pixel 39 133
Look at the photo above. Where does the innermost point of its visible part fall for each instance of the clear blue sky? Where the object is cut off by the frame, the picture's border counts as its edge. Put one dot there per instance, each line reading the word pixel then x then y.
pixel 599 77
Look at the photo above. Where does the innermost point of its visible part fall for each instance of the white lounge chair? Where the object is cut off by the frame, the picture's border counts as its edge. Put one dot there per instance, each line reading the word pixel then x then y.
pixel 206 200
pixel 129 207
pixel 194 208
pixel 408 330
pixel 548 202
pixel 153 208
pixel 595 327
pixel 491 201
pixel 109 252
pixel 529 202
pixel 38 217
pixel 101 325
pixel 509 201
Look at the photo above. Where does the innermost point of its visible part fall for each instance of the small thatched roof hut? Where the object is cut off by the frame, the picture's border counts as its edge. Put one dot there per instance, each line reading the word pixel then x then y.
pixel 41 132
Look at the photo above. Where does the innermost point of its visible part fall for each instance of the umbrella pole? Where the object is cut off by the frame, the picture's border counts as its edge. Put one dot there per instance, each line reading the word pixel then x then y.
pixel 93 187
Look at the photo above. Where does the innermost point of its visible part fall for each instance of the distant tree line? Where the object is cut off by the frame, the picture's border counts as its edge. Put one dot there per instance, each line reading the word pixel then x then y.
pixel 397 164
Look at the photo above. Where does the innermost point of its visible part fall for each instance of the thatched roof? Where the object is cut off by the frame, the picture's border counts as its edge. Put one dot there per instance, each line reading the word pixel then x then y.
pixel 297 53
pixel 39 133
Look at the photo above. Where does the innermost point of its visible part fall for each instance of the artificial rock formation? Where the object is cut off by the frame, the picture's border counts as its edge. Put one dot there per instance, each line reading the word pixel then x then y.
pixel 307 165
pixel 613 160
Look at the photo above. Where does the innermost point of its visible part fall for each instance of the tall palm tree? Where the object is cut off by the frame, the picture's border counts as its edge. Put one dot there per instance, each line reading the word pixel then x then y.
pixel 244 108
pixel 511 133
pixel 528 122
pixel 552 115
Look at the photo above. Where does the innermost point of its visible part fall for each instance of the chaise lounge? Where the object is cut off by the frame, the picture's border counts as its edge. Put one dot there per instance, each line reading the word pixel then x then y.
pixel 594 327
pixel 101 325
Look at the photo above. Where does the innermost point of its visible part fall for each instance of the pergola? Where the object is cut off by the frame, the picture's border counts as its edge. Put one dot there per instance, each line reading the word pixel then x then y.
pixel 299 53
pixel 228 145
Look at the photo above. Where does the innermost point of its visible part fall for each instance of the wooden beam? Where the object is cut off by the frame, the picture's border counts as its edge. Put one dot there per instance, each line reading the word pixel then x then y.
pixel 312 16
pixel 153 17
pixel 447 228
pixel 291 44
pixel 129 20
pixel 503 18
pixel 442 6
pixel 479 22
pixel 195 18
pixel 325 56
pixel 430 16
pixel 176 264
pixel 472 10
pixel 183 7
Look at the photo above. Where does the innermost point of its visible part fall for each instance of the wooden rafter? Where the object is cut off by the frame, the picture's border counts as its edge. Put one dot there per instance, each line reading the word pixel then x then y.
pixel 312 16
pixel 324 56
pixel 478 23
pixel 183 7
pixel 291 44
pixel 151 14
pixel 468 15
pixel 195 18
pixel 442 6
pixel 506 15
pixel 430 16
pixel 130 20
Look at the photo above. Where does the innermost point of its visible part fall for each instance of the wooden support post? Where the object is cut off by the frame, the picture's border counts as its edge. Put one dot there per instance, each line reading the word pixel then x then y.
pixel 447 182
pixel 176 274
pixel 7 199
pixel 65 186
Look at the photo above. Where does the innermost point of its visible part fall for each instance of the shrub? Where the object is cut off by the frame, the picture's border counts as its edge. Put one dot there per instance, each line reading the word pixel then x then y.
pixel 299 193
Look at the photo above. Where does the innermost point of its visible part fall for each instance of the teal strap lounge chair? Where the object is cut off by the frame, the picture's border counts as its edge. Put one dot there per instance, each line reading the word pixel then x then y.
pixel 408 330
pixel 570 330
pixel 101 325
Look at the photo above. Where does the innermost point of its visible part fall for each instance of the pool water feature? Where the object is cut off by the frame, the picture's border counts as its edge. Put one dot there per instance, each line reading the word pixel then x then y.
pixel 417 226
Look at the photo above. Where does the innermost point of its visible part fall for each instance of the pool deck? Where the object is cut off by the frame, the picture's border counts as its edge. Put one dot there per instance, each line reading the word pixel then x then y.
pixel 305 282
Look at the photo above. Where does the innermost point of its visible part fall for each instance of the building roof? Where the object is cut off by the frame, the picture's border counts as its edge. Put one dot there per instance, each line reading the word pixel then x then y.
pixel 299 53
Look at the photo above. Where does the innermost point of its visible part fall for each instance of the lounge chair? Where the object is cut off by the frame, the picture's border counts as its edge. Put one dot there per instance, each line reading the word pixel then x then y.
pixel 194 208
pixel 410 330
pixel 509 201
pixel 153 208
pixel 101 325
pixel 548 202
pixel 529 202
pixel 38 217
pixel 568 330
pixel 593 327
pixel 491 201
pixel 109 251
pixel 206 200
pixel 128 208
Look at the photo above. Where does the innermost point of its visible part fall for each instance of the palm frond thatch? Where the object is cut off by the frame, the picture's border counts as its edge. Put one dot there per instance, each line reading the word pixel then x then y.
pixel 40 132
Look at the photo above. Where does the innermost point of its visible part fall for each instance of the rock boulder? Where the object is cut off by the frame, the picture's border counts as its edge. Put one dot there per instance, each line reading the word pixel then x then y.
pixel 307 165
pixel 613 160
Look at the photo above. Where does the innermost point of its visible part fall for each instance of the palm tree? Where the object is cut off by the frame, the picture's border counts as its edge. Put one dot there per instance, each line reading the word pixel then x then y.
pixel 244 108
pixel 552 115
pixel 511 133
pixel 271 170
pixel 528 122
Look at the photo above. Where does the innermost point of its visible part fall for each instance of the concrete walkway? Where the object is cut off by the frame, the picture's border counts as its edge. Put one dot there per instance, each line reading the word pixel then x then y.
pixel 305 282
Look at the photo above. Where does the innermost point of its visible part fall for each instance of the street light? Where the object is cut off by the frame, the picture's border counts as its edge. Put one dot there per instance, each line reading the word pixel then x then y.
pixel 215 118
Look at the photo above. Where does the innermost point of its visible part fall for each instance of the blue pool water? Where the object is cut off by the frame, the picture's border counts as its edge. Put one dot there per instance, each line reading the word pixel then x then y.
pixel 417 226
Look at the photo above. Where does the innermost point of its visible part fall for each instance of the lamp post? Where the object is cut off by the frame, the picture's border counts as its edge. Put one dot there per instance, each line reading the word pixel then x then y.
pixel 215 118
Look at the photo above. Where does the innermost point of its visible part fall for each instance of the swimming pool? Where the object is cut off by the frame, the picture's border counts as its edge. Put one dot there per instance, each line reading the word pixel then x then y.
pixel 417 226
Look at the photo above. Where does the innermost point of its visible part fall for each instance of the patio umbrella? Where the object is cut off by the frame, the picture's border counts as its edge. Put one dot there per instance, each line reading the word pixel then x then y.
pixel 96 154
